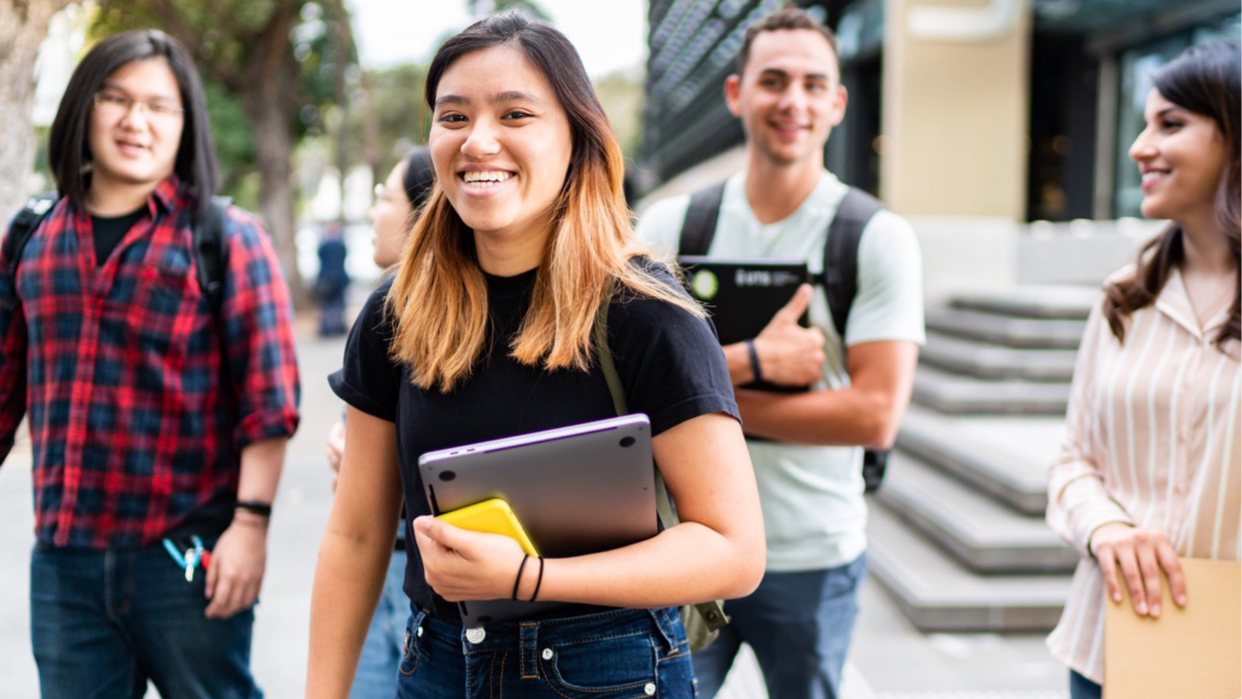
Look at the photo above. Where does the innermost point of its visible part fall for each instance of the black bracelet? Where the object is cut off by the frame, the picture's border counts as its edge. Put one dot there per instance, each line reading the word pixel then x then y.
pixel 754 359
pixel 538 580
pixel 262 509
pixel 518 580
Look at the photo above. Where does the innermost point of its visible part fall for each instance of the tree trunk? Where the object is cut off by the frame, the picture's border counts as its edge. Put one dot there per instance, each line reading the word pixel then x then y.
pixel 23 24
pixel 270 100
pixel 273 141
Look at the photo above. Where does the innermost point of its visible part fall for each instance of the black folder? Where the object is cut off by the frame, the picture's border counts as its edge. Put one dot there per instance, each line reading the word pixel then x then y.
pixel 742 295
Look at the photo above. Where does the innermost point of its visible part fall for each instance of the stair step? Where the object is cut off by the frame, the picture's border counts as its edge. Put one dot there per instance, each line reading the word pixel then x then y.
pixel 1067 301
pixel 938 594
pixel 1006 457
pixel 980 532
pixel 992 361
pixel 956 394
pixel 1034 333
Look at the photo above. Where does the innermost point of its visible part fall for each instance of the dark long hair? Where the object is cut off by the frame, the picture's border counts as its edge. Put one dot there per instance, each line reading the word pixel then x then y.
pixel 1207 80
pixel 68 145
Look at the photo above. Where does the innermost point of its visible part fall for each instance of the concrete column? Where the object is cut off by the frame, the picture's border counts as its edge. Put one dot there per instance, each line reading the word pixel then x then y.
pixel 955 107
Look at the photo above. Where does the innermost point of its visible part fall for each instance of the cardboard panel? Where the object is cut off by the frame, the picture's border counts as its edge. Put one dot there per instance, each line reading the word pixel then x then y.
pixel 1193 652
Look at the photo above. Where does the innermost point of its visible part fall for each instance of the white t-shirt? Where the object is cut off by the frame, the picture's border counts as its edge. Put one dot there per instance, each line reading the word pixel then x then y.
pixel 812 496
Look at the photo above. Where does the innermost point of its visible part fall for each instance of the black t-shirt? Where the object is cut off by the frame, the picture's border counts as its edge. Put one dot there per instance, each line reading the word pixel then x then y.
pixel 109 231
pixel 669 362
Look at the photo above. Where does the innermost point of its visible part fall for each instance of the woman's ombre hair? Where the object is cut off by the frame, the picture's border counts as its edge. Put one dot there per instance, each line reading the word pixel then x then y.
pixel 438 300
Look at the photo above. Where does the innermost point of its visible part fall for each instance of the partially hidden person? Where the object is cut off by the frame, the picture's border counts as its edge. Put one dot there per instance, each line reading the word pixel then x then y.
pixel 391 214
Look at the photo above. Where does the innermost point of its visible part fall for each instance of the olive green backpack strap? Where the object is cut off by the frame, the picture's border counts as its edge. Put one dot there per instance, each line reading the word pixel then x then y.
pixel 701 631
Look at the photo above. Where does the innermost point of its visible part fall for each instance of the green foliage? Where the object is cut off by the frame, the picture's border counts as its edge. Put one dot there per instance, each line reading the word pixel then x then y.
pixel 402 118
pixel 234 140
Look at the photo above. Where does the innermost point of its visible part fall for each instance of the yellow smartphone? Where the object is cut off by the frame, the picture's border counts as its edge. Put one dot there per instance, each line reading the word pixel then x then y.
pixel 493 516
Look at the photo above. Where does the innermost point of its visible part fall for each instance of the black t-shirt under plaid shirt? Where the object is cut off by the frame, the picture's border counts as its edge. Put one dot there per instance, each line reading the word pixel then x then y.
pixel 140 396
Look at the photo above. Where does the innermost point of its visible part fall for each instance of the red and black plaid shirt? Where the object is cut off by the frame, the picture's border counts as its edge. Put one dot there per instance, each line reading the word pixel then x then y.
pixel 141 395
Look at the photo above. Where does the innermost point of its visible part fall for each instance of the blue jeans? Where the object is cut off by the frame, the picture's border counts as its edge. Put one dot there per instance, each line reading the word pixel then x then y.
pixel 798 624
pixel 103 623
pixel 618 654
pixel 1083 688
pixel 381 651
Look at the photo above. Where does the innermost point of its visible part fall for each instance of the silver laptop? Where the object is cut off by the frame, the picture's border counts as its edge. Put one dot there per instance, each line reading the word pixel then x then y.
pixel 579 489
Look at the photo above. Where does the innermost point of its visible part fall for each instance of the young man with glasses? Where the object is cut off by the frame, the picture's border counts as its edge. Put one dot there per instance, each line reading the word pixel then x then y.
pixel 159 410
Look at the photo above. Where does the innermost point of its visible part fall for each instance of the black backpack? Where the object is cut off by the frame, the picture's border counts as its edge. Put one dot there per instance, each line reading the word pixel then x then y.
pixel 840 277
pixel 207 234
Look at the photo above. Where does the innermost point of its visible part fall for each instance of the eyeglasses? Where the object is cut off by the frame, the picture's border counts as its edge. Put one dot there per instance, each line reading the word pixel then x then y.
pixel 115 105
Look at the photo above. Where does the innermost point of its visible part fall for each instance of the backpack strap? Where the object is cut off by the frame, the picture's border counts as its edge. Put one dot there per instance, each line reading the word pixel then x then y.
pixel 699 226
pixel 21 230
pixel 210 252
pixel 841 286
pixel 841 253
pixel 24 225
pixel 712 612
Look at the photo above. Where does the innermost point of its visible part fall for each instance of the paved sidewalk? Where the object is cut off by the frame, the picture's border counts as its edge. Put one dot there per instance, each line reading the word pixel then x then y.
pixel 891 660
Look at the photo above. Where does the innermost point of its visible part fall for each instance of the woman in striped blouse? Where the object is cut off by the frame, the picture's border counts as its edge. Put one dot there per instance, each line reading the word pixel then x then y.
pixel 1150 468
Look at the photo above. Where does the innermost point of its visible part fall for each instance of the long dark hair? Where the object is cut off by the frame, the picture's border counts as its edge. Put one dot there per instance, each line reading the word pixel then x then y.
pixel 68 144
pixel 1207 80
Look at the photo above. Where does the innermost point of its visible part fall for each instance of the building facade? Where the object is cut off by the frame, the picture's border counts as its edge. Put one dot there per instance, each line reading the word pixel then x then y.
pixel 1017 110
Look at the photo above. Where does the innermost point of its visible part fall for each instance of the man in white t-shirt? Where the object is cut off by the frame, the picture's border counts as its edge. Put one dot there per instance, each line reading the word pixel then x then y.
pixel 808 463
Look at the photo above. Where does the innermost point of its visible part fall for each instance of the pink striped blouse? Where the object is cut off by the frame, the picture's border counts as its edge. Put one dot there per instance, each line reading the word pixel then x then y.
pixel 1152 438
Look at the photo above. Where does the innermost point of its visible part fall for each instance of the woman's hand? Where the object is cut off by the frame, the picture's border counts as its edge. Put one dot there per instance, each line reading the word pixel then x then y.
pixel 1141 554
pixel 462 565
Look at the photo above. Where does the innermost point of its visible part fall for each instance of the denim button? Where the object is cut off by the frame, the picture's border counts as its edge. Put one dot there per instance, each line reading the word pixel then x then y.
pixel 650 689
pixel 420 632
pixel 475 636
pixel 547 653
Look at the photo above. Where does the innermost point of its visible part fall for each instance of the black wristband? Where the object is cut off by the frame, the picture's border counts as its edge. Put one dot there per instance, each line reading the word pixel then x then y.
pixel 518 580
pixel 262 509
pixel 538 581
pixel 753 354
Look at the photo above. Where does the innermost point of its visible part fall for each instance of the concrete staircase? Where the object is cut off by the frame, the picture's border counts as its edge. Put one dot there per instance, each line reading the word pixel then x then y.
pixel 957 531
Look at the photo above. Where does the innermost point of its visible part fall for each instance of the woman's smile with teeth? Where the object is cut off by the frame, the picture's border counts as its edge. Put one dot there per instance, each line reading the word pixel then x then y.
pixel 486 179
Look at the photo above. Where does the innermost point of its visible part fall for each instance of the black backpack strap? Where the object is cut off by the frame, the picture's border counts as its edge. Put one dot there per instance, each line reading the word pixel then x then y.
pixel 210 252
pixel 712 612
pixel 24 225
pixel 841 253
pixel 699 226
pixel 841 285
pixel 21 230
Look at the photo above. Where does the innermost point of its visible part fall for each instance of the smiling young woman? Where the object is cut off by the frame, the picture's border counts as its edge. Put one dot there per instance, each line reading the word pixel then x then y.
pixel 486 332
pixel 1150 469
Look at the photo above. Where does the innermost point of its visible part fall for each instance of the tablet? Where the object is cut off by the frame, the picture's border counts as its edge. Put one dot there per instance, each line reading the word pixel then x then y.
pixel 742 295
pixel 579 489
